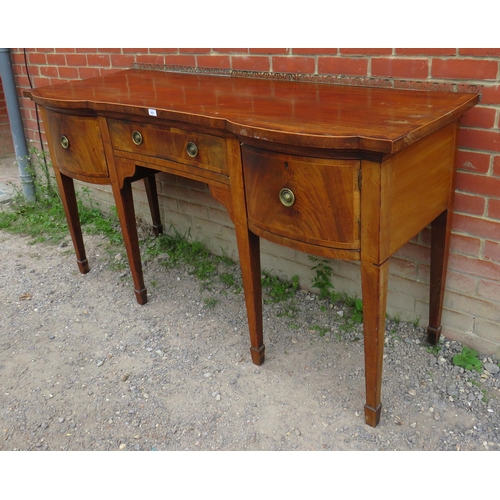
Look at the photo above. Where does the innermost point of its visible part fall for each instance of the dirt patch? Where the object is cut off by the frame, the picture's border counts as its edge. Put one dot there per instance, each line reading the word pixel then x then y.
pixel 84 367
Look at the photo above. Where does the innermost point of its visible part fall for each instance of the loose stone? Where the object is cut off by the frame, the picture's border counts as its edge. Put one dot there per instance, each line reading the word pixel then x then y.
pixel 491 368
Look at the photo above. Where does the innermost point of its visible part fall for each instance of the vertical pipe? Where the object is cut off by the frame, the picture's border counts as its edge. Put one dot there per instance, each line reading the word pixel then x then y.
pixel 16 124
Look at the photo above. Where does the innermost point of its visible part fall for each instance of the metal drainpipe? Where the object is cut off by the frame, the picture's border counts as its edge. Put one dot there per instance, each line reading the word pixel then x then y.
pixel 16 124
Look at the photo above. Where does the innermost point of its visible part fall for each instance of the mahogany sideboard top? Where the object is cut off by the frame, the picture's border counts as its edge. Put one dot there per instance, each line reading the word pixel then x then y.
pixel 338 171
pixel 294 113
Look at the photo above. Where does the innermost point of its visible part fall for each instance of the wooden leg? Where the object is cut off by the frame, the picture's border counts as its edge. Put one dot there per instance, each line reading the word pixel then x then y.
pixel 249 253
pixel 126 214
pixel 68 198
pixel 152 193
pixel 233 199
pixel 440 244
pixel 374 280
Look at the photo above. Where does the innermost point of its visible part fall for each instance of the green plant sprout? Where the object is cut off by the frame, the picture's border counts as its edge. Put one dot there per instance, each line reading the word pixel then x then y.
pixel 320 329
pixel 210 302
pixel 321 280
pixel 277 289
pixel 468 360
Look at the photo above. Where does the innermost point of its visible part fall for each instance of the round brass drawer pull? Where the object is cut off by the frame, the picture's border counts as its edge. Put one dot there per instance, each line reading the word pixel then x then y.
pixel 287 197
pixel 64 142
pixel 192 149
pixel 137 138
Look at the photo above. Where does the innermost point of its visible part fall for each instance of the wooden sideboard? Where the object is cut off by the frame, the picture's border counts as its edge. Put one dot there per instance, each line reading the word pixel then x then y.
pixel 342 172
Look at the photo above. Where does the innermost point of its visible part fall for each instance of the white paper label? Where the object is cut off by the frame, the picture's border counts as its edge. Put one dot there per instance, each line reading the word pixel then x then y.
pixel 152 112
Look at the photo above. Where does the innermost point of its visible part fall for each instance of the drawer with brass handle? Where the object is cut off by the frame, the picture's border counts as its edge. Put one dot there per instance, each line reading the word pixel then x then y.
pixel 131 139
pixel 76 145
pixel 312 200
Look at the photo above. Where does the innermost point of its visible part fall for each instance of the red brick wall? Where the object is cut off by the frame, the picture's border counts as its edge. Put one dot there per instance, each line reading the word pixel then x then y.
pixel 474 268
pixel 6 144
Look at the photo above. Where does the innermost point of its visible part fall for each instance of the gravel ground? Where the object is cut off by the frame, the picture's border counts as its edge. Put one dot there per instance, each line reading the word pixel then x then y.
pixel 84 367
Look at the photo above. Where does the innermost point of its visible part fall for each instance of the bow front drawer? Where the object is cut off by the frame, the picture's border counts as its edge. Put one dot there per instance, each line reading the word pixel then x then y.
pixel 76 146
pixel 310 200
pixel 138 140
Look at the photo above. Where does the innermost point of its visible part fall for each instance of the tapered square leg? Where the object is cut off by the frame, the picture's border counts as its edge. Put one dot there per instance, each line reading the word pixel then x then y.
pixel 249 253
pixel 248 248
pixel 440 244
pixel 374 280
pixel 126 214
pixel 68 198
pixel 152 194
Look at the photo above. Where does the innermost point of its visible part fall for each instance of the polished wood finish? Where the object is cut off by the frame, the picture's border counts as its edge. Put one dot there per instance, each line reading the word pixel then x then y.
pixel 293 113
pixel 168 143
pixel 83 158
pixel 363 170
pixel 319 186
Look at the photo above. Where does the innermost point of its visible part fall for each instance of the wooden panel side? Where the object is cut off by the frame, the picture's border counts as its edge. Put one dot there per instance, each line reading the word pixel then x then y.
pixel 421 183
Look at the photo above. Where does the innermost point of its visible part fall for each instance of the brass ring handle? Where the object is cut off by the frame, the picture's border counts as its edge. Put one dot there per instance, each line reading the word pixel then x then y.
pixel 64 142
pixel 136 138
pixel 192 149
pixel 287 197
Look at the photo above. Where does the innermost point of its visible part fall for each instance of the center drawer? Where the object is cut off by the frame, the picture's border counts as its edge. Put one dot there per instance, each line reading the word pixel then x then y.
pixel 312 200
pixel 190 148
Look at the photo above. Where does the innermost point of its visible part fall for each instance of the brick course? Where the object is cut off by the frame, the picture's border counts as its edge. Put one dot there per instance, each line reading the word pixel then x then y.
pixel 6 144
pixel 474 269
